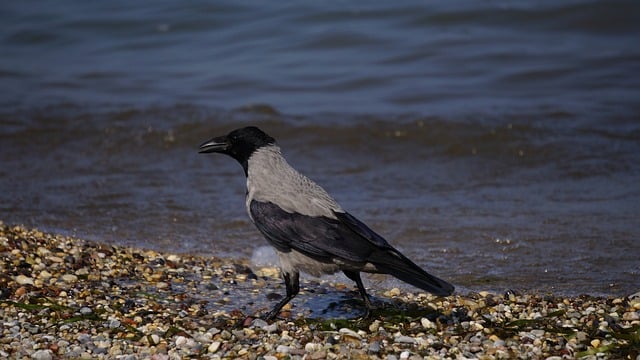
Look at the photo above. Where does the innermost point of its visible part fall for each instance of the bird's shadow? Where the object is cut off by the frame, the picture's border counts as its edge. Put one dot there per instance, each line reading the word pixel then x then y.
pixel 347 306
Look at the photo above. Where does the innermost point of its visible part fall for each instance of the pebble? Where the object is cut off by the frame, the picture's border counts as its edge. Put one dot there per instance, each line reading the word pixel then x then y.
pixel 349 332
pixel 631 316
pixel 214 346
pixel 42 355
pixel 311 347
pixel 23 280
pixel 138 304
pixel 69 278
pixel 537 333
pixel 259 323
pixel 85 310
pixel 404 339
pixel 427 324
pixel 393 292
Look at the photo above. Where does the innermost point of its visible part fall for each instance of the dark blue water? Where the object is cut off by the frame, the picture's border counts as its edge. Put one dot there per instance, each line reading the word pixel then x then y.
pixel 495 143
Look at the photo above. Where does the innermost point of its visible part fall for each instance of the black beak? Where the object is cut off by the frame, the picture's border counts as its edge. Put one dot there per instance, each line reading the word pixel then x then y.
pixel 217 144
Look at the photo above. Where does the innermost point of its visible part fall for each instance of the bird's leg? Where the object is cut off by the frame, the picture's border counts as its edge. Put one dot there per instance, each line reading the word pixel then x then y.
pixel 292 283
pixel 355 276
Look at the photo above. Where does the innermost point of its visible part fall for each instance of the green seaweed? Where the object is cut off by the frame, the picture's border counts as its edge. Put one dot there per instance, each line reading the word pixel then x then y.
pixel 82 317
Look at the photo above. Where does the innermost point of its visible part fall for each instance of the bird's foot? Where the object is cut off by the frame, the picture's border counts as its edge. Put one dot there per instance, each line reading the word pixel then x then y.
pixel 367 317
pixel 270 316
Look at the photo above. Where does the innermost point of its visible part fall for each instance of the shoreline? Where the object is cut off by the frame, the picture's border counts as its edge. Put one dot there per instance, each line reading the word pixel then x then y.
pixel 62 297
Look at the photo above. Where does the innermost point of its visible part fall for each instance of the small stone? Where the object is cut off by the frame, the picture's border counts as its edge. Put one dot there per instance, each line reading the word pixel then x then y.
pixel 259 323
pixel 42 355
pixel 393 292
pixel 55 259
pixel 85 310
pixel 537 333
pixel 161 285
pixel 69 278
pixel 595 343
pixel 374 326
pixel 154 339
pixel 282 349
pixel 427 324
pixel 405 355
pixel 405 339
pixel 318 355
pixel 581 336
pixel 349 332
pixel 631 316
pixel 113 323
pixel 84 338
pixel 23 280
pixel 270 328
pixel 214 347
pixel 311 347
pixel 225 335
pixel 375 347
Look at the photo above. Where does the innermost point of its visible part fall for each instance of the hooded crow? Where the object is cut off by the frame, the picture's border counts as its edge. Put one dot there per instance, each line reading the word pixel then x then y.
pixel 308 229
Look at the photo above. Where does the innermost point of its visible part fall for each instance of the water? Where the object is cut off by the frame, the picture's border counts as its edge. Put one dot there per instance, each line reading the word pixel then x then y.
pixel 496 144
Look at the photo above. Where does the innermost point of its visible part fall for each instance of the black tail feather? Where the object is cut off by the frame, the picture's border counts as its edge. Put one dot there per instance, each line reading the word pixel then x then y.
pixel 392 262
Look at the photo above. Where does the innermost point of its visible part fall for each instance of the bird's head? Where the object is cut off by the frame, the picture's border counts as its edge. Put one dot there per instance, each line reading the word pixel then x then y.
pixel 239 144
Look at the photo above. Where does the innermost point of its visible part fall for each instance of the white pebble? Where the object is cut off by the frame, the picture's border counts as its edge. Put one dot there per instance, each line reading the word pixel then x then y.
pixel 259 323
pixel 404 339
pixel 85 310
pixel 349 332
pixel 537 333
pixel 270 328
pixel 155 339
pixel 42 355
pixel 427 324
pixel 312 347
pixel 113 323
pixel 181 341
pixel 405 355
pixel 283 349
pixel 631 316
pixel 24 280
pixel 214 347
pixel 69 278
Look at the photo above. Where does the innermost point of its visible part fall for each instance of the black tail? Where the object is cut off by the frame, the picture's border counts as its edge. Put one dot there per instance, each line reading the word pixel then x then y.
pixel 392 262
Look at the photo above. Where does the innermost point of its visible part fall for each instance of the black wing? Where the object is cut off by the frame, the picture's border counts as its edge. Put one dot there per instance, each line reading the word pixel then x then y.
pixel 345 238
pixel 318 237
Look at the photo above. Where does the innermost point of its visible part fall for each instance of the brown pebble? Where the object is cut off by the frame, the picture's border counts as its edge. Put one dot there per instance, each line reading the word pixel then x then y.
pixel 21 291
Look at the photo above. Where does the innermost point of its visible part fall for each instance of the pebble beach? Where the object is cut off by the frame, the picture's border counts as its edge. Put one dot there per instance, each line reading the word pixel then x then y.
pixel 67 298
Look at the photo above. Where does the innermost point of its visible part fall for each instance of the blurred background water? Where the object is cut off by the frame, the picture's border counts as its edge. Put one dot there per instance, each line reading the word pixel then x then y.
pixel 496 143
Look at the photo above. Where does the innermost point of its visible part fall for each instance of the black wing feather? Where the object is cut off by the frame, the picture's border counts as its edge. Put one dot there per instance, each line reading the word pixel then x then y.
pixel 318 237
pixel 345 238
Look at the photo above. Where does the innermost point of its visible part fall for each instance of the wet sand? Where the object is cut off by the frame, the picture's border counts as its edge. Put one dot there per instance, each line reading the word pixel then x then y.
pixel 62 297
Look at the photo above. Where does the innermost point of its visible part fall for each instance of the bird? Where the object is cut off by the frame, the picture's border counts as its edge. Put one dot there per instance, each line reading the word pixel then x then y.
pixel 307 227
